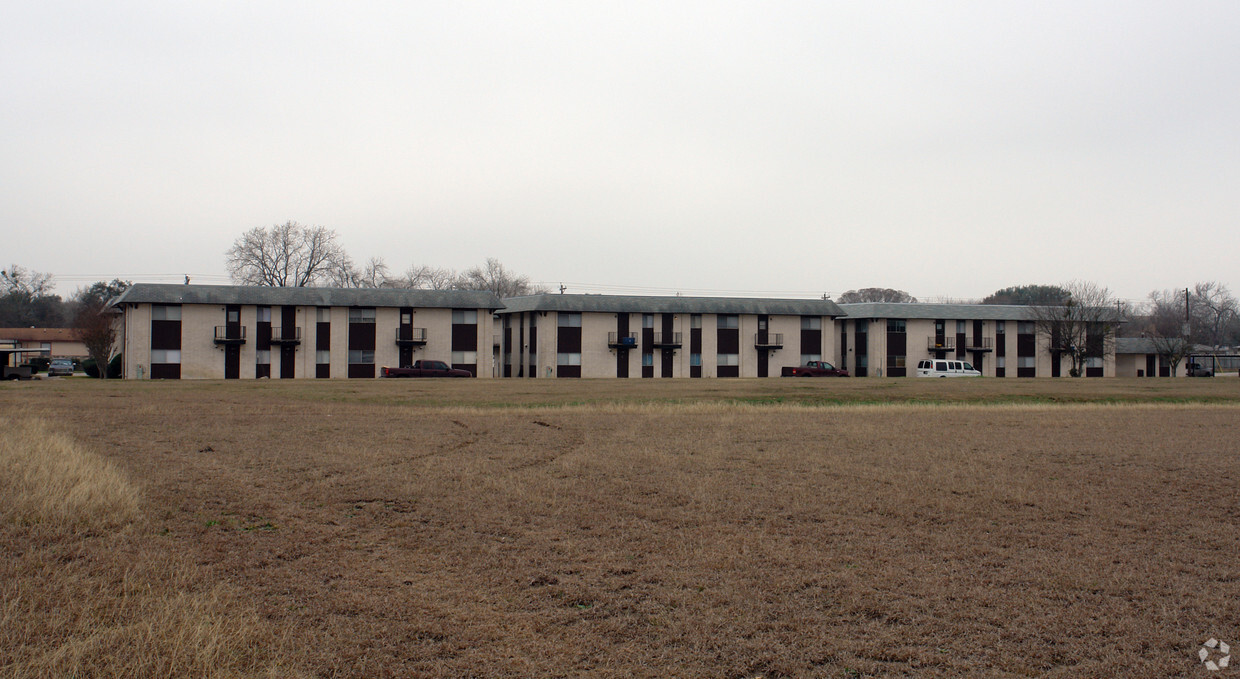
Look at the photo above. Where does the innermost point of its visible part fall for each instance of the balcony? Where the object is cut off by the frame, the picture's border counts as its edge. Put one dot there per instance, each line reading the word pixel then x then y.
pixel 626 340
pixel 981 344
pixel 229 335
pixel 666 340
pixel 941 344
pixel 286 336
pixel 410 337
pixel 768 340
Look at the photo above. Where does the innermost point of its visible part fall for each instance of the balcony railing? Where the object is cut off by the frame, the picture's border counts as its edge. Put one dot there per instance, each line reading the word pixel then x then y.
pixel 666 340
pixel 226 335
pixel 410 337
pixel 944 344
pixel 981 344
pixel 286 335
pixel 617 340
pixel 768 340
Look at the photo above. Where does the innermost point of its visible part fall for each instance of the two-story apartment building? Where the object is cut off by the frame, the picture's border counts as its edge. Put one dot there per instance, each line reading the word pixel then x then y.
pixel 232 332
pixel 888 339
pixel 639 336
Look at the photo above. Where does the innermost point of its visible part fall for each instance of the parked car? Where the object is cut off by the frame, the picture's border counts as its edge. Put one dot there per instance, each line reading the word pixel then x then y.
pixel 424 369
pixel 946 368
pixel 814 369
pixel 60 366
pixel 1199 370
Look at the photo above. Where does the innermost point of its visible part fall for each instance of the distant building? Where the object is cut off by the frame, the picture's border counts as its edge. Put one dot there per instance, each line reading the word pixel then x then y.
pixel 234 332
pixel 59 342
pixel 888 339
pixel 642 336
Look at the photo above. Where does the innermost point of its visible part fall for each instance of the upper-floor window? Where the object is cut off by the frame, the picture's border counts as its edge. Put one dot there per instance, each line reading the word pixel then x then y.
pixel 264 314
pixel 647 320
pixel 323 314
pixel 862 325
pixel 999 326
pixel 695 321
pixel 729 322
pixel 362 315
pixel 165 312
pixel 811 323
pixel 565 320
pixel 895 325
pixel 464 317
pixel 959 327
pixel 1024 327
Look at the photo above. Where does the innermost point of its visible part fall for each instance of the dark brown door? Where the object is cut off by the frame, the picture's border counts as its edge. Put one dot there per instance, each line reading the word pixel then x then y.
pixel 232 352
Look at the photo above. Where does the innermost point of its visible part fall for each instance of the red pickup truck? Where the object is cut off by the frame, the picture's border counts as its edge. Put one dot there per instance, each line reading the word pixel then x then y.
pixel 814 369
pixel 424 369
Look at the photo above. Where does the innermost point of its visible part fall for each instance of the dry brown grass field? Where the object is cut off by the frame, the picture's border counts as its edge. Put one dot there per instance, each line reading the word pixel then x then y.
pixel 724 528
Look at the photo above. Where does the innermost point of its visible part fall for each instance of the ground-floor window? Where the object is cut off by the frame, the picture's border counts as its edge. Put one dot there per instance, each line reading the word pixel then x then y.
pixel 896 366
pixel 806 358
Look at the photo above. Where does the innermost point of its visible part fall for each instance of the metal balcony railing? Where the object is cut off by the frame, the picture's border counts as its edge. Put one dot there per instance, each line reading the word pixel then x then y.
pixel 617 340
pixel 286 335
pixel 226 335
pixel 944 344
pixel 768 340
pixel 407 336
pixel 666 339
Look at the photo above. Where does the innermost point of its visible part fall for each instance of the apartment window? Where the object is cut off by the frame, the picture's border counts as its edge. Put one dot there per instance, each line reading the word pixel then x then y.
pixel 361 356
pixel 1026 362
pixel 164 312
pixel 467 357
pixel 570 358
pixel 647 360
pixel 1024 327
pixel 262 357
pixel 322 356
pixel 896 362
pixel 729 359
pixel 863 326
pixel 729 322
pixel 895 325
pixel 959 327
pixel 264 314
pixel 999 325
pixel 406 318
pixel 362 315
pixel 568 320
pixel 1093 362
pixel 647 320
pixel 695 321
pixel 464 317
pixel 323 314
pixel 1000 361
pixel 811 323
pixel 695 360
pixel 165 355
pixel 806 358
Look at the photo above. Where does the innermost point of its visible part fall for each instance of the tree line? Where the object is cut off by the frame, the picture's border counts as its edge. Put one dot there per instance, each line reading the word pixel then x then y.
pixel 294 255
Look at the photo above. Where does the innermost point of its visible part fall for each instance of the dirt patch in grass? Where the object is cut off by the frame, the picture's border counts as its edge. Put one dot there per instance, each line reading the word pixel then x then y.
pixel 390 529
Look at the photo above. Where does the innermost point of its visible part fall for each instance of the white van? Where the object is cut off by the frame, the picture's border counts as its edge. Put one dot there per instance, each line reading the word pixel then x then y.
pixel 942 367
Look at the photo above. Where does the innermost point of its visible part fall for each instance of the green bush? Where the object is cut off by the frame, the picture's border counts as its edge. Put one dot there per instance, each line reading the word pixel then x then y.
pixel 114 368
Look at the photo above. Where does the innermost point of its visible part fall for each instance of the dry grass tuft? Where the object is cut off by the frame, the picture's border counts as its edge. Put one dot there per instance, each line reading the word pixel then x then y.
pixel 47 478
pixel 86 590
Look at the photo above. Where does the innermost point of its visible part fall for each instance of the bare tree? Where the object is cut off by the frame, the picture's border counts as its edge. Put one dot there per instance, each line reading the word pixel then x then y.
pixel 424 277
pixel 95 323
pixel 27 299
pixel 1082 327
pixel 1167 328
pixel 875 295
pixel 286 255
pixel 495 278
pixel 374 274
pixel 1213 310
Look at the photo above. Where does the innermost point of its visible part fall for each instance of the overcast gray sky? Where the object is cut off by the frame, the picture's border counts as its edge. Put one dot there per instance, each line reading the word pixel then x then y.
pixel 944 148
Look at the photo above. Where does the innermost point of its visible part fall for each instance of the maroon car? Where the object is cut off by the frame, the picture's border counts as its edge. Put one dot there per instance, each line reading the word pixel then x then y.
pixel 424 369
pixel 815 369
